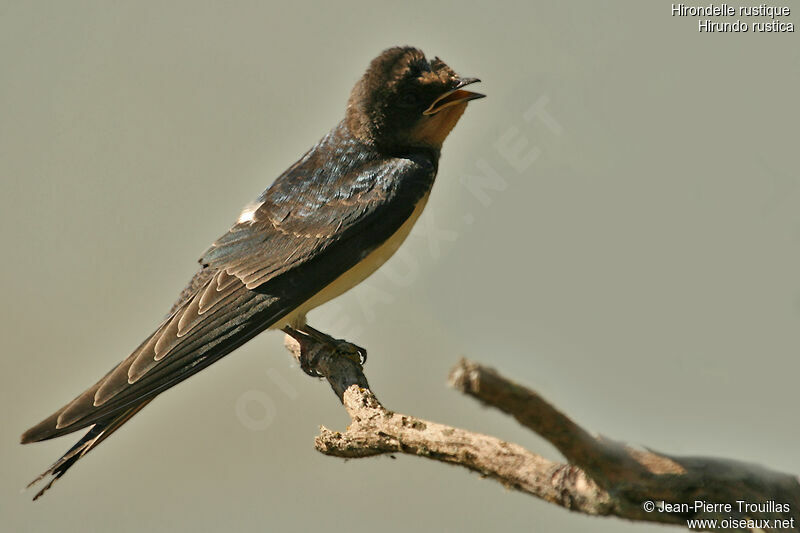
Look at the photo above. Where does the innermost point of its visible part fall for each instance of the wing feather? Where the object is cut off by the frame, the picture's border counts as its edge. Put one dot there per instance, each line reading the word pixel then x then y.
pixel 303 234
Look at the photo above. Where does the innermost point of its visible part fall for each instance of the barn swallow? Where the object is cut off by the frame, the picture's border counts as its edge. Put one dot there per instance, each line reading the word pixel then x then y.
pixel 322 227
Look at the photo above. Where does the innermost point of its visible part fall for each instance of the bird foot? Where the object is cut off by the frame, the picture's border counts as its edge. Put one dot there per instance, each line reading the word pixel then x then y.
pixel 354 352
pixel 312 343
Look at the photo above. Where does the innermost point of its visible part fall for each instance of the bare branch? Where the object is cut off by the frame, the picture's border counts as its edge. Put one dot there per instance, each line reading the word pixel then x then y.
pixel 601 477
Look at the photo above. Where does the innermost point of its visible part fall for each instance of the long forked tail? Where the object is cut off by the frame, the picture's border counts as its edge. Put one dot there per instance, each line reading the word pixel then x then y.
pixel 97 434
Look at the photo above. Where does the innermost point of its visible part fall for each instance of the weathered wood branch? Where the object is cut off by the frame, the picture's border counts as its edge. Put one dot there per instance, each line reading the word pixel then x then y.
pixel 600 477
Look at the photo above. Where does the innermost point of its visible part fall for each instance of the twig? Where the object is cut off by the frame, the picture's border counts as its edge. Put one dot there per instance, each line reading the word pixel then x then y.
pixel 601 477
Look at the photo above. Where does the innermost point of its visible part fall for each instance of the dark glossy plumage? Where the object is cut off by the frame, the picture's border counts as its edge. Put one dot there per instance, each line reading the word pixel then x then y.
pixel 343 199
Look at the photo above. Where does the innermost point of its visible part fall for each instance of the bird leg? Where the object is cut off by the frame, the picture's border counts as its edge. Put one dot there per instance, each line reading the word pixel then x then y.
pixel 306 337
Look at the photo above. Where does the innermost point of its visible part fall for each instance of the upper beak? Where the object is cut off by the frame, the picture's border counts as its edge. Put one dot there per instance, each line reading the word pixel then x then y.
pixel 454 96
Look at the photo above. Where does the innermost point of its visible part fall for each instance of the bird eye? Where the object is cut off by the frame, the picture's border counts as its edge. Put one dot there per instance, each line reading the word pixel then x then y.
pixel 408 100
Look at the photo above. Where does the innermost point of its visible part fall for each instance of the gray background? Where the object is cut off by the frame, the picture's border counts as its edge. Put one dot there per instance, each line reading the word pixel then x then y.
pixel 641 272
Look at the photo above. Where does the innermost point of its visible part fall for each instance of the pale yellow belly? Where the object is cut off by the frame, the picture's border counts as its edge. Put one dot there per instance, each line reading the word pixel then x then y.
pixel 355 275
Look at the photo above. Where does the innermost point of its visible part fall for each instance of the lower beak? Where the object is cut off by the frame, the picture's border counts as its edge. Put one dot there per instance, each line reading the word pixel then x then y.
pixel 454 96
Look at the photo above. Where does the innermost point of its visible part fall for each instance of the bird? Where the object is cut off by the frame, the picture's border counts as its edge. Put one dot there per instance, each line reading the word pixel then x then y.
pixel 324 225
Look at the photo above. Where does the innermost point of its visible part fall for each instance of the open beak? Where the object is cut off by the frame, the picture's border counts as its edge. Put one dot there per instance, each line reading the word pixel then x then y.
pixel 455 96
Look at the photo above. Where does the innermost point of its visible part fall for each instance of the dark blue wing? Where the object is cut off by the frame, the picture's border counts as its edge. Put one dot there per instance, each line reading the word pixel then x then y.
pixel 314 223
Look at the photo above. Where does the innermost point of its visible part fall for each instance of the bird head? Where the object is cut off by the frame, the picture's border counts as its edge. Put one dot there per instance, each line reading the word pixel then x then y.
pixel 405 101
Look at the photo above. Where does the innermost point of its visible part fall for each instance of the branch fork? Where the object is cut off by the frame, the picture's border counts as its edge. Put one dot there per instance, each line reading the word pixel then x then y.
pixel 600 477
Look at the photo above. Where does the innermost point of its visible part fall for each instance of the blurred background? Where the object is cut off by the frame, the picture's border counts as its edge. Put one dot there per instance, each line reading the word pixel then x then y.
pixel 615 226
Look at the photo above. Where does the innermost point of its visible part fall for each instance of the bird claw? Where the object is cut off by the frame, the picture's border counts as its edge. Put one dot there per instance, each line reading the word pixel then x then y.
pixel 312 343
pixel 351 351
pixel 309 356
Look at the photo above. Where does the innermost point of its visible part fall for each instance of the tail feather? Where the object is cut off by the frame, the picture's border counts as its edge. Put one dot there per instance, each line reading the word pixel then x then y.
pixel 97 434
